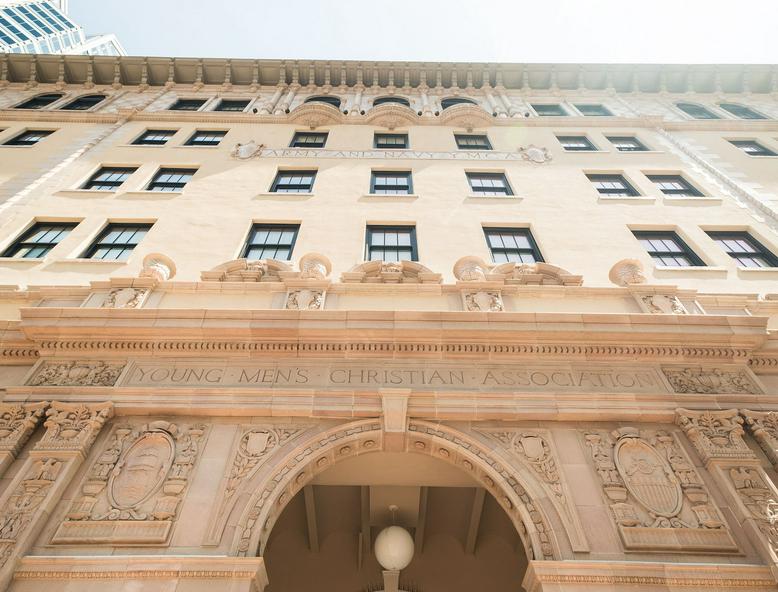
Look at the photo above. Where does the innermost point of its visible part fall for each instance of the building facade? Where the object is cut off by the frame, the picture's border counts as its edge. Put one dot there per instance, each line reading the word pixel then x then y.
pixel 30 26
pixel 256 311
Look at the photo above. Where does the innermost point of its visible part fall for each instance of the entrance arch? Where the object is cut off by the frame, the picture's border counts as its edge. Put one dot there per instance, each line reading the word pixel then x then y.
pixel 320 451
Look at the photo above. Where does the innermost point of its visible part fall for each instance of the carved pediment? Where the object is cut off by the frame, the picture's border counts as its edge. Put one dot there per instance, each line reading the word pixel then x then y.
pixel 537 274
pixel 391 116
pixel 466 116
pixel 245 270
pixel 315 115
pixel 381 272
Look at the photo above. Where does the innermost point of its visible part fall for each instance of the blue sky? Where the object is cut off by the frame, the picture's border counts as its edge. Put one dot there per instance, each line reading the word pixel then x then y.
pixel 665 31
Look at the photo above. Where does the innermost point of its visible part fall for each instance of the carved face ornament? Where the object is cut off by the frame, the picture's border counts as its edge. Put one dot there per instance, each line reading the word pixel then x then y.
pixel 648 477
pixel 142 470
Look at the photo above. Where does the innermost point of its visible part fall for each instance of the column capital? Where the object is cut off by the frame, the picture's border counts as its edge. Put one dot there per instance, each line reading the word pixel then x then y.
pixel 716 435
pixel 73 427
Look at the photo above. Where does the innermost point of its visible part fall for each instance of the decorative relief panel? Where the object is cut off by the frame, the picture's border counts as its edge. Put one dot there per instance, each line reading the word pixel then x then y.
pixel 764 427
pixel 73 427
pixel 125 298
pixel 658 500
pixel 662 304
pixel 305 299
pixel 715 434
pixel 132 492
pixel 711 381
pixel 76 373
pixel 760 498
pixel 17 422
pixel 483 301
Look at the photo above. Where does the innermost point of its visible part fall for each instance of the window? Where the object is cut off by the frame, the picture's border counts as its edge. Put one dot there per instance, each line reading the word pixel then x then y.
pixel 40 101
pixel 293 182
pixel 271 241
pixel 394 100
pixel 512 244
pixel 675 185
pixel 29 138
pixel 473 142
pixel 594 110
pixel 171 179
pixel 206 138
pixel 232 105
pixel 390 141
pixel 109 178
pixel 696 111
pixel 84 103
pixel 752 148
pixel 740 111
pixel 309 140
pixel 667 249
pixel 613 185
pixel 391 183
pixel 489 184
pixel 549 109
pixel 576 143
pixel 187 105
pixel 116 241
pixel 744 249
pixel 327 100
pixel 627 144
pixel 391 243
pixel 450 102
pixel 154 137
pixel 41 238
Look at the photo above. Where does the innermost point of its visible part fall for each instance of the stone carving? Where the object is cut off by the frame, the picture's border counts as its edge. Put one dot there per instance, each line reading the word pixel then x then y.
pixel 661 304
pixel 536 274
pixel 764 427
pixel 305 299
pixel 314 266
pixel 158 267
pixel 247 150
pixel 17 422
pixel 20 507
pixel 244 270
pixel 392 154
pixel 659 501
pixel 141 475
pixel 399 272
pixel 714 434
pixel 73 426
pixel 483 301
pixel 471 269
pixel 627 272
pixel 710 381
pixel 125 298
pixel 535 154
pixel 760 499
pixel 77 374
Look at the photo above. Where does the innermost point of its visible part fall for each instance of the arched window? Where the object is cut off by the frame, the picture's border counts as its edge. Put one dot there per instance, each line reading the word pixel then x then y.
pixel 83 103
pixel 390 100
pixel 450 102
pixel 696 111
pixel 334 101
pixel 740 111
pixel 40 101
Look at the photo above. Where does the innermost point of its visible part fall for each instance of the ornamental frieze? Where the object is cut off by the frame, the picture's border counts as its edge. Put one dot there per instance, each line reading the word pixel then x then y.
pixel 76 373
pixel 658 500
pixel 711 380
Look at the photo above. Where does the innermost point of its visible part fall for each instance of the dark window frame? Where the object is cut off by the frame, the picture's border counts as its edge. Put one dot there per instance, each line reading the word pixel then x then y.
pixel 689 190
pixel 371 228
pixel 78 104
pixel 299 188
pixel 139 140
pixel 391 101
pixel 759 250
pixel 582 107
pixel 317 144
pixel 378 135
pixel 486 144
pixel 98 243
pixel 629 189
pixel 269 227
pixel 193 139
pixel 533 249
pixel 376 174
pixel 325 99
pixel 753 113
pixel 703 113
pixel 188 103
pixel 507 186
pixel 224 102
pixel 94 183
pixel 169 186
pixel 640 146
pixel 685 249
pixel 589 145
pixel 33 101
pixel 762 150
pixel 17 140
pixel 23 242
pixel 452 101
pixel 558 106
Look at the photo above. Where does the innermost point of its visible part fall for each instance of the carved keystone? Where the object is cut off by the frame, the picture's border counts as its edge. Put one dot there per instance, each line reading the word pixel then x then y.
pixel 394 403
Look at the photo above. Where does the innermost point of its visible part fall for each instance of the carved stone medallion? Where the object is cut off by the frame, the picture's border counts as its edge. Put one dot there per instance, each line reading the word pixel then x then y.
pixel 247 150
pixel 648 477
pixel 535 154
pixel 141 471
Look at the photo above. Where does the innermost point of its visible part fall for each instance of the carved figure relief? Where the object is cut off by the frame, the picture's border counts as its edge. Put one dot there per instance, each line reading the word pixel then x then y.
pixel 247 150
pixel 142 470
pixel 661 304
pixel 535 154
pixel 77 374
pixel 483 301
pixel 760 499
pixel 305 299
pixel 658 500
pixel 714 434
pixel 709 381
pixel 125 298
pixel 764 427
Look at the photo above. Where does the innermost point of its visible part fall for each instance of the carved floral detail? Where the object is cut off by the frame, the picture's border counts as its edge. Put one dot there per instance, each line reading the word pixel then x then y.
pixel 125 298
pixel 314 266
pixel 483 301
pixel 536 274
pixel 394 272
pixel 77 374
pixel 73 426
pixel 710 381
pixel 246 270
pixel 764 427
pixel 471 269
pixel 305 299
pixel 17 422
pixel 714 434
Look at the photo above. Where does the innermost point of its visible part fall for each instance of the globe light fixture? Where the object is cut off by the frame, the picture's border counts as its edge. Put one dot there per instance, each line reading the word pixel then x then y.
pixel 394 547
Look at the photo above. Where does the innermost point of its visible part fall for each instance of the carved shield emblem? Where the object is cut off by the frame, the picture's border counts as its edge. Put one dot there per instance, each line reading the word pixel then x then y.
pixel 533 446
pixel 648 477
pixel 142 470
pixel 256 442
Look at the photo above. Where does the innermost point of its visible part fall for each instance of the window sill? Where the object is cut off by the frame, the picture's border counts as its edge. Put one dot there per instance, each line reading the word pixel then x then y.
pixel 491 197
pixel 639 152
pixel 152 194
pixel 392 195
pixel 632 199
pixel 83 261
pixel 662 271
pixel 585 151
pixel 13 260
pixel 762 273
pixel 143 146
pixel 282 196
pixel 197 147
pixel 84 193
pixel 693 201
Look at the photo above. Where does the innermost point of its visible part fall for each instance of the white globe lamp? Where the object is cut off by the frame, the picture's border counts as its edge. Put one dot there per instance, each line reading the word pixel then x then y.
pixel 394 548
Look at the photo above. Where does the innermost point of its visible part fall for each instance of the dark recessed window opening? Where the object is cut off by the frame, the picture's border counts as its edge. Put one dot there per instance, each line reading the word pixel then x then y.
pixel 327 100
pixel 745 249
pixel 391 100
pixel 576 144
pixel 752 148
pixel 109 178
pixel 450 102
pixel 741 111
pixel 549 109
pixel 232 105
pixel 391 243
pixel 472 142
pixel 206 138
pixel 187 105
pixel 667 249
pixel 29 138
pixel 696 111
pixel 391 183
pixel 84 103
pixel 390 141
pixel 271 241
pixel 675 185
pixel 117 241
pixel 627 144
pixel 41 238
pixel 512 244
pixel 154 137
pixel 171 179
pixel 489 184
pixel 40 101
pixel 613 185
pixel 596 110
pixel 293 182
pixel 309 140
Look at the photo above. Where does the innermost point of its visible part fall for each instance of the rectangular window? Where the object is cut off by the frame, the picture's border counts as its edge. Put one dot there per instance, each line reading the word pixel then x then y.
pixel 391 243
pixel 613 185
pixel 667 249
pixel 116 241
pixel 109 178
pixel 206 138
pixel 752 148
pixel 154 137
pixel 390 141
pixel 391 183
pixel 489 184
pixel 745 249
pixel 549 109
pixel 675 185
pixel 293 182
pixel 512 244
pixel 41 238
pixel 594 110
pixel 171 179
pixel 271 241
pixel 309 140
pixel 473 142
pixel 627 144
pixel 187 105
pixel 232 105
pixel 576 144
pixel 28 138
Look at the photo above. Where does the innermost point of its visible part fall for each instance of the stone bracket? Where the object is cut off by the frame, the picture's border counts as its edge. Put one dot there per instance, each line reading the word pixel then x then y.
pixel 394 413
